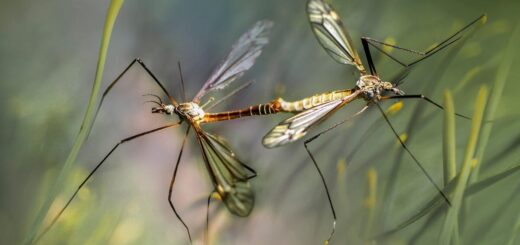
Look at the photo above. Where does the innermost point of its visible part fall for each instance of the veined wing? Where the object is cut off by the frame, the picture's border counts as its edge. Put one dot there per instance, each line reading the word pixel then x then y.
pixel 227 172
pixel 331 34
pixel 296 126
pixel 242 56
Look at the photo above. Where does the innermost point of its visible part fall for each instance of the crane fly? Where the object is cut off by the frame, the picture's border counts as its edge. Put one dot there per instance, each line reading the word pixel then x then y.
pixel 333 37
pixel 230 177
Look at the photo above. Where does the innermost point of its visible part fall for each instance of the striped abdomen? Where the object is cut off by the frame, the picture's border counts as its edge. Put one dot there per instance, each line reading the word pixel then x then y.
pixel 261 109
pixel 309 102
pixel 278 105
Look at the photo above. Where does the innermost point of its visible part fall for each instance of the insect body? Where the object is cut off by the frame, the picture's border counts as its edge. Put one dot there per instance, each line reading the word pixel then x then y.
pixel 230 177
pixel 333 37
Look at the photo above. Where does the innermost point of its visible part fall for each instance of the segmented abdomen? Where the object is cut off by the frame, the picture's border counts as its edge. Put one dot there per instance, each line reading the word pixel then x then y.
pixel 309 102
pixel 278 105
pixel 261 109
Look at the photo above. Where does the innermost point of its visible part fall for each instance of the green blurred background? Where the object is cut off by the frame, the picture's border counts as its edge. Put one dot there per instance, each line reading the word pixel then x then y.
pixel 48 54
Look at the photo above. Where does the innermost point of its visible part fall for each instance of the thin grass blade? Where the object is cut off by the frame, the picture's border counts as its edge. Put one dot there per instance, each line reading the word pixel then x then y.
pixel 86 125
pixel 450 167
pixel 453 213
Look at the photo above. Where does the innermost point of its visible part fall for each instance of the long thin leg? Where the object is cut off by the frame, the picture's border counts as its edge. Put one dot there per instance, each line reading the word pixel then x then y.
pixel 319 171
pixel 326 190
pixel 182 82
pixel 113 83
pixel 206 231
pixel 336 125
pixel 170 190
pixel 366 42
pixel 413 157
pixel 400 76
pixel 420 96
pixel 448 41
pixel 94 170
pixel 371 65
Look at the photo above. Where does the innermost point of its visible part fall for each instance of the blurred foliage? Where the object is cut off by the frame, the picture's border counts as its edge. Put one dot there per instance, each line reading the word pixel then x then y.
pixel 48 59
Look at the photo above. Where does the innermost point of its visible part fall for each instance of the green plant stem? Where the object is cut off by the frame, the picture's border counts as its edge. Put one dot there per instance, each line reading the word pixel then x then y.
pixel 449 150
pixel 86 125
pixel 453 213
pixel 450 166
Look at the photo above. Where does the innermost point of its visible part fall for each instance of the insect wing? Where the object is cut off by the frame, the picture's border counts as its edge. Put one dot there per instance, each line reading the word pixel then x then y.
pixel 228 174
pixel 242 57
pixel 329 31
pixel 296 126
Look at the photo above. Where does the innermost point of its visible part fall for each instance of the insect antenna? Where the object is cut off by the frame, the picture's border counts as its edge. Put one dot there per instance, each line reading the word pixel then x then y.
pixel 153 101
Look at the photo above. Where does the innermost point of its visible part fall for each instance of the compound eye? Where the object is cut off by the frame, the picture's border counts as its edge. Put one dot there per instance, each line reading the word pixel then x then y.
pixel 370 94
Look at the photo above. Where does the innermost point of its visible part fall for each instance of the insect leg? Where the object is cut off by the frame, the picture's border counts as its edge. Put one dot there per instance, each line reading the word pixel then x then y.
pixel 206 231
pixel 368 41
pixel 326 188
pixel 443 44
pixel 127 139
pixel 182 82
pixel 170 190
pixel 420 96
pixel 413 157
pixel 336 125
pixel 318 168
pixel 113 83
pixel 371 65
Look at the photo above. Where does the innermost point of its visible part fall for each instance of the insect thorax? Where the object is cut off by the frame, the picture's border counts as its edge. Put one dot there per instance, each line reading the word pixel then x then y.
pixel 190 111
pixel 372 87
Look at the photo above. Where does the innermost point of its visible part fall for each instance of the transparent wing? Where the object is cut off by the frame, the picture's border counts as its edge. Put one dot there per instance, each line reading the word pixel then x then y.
pixel 242 56
pixel 329 31
pixel 228 174
pixel 296 126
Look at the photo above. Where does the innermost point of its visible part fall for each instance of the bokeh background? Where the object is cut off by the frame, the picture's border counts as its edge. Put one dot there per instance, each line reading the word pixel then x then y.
pixel 48 54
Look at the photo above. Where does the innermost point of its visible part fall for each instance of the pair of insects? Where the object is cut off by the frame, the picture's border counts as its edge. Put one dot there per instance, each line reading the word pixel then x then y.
pixel 231 177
